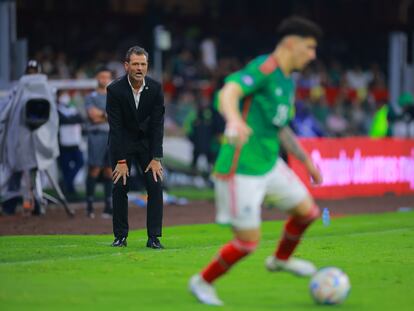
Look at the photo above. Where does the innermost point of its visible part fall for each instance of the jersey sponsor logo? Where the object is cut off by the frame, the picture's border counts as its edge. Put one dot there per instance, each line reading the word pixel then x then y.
pixel 247 80
pixel 269 65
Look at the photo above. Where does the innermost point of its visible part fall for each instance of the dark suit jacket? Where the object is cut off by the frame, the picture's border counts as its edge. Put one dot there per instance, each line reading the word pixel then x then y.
pixel 130 126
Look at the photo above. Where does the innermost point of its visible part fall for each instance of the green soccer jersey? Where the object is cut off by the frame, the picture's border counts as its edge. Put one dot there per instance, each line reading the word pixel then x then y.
pixel 267 106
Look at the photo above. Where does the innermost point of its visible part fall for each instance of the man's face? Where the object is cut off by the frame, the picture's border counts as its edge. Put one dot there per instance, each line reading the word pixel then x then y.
pixel 137 67
pixel 104 78
pixel 303 51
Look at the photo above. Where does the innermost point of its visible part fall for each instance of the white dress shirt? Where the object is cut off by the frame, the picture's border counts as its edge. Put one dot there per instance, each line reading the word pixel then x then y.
pixel 137 93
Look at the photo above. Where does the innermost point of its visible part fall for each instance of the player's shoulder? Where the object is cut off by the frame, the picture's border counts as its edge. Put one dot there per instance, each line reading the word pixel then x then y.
pixel 266 64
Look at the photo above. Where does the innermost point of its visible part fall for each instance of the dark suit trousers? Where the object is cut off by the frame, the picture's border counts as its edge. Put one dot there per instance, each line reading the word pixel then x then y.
pixel 155 197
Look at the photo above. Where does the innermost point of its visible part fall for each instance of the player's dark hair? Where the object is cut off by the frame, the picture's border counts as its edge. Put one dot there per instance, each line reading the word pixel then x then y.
pixel 135 50
pixel 299 26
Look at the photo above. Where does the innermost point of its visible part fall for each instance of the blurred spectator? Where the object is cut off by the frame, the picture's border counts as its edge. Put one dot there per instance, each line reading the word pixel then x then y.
pixel 199 127
pixel 70 138
pixel 98 153
pixel 186 104
pixel 184 69
pixel 357 114
pixel 319 105
pixel 336 123
pixel 357 79
pixel 305 124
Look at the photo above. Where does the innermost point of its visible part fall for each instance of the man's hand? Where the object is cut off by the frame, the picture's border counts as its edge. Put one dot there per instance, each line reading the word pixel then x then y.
pixel 121 170
pixel 156 168
pixel 314 172
pixel 237 131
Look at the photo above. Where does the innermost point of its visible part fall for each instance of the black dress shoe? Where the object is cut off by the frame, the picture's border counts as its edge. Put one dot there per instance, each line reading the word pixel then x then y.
pixel 153 242
pixel 119 242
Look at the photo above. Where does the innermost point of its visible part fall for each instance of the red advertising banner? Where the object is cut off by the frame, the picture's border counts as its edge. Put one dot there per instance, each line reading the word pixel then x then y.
pixel 356 166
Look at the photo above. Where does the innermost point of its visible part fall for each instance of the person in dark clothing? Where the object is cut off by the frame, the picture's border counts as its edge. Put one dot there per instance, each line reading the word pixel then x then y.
pixel 200 132
pixel 70 137
pixel 135 108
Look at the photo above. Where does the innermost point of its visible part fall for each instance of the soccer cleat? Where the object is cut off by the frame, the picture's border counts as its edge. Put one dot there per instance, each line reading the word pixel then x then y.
pixel 203 291
pixel 296 266
pixel 119 242
pixel 154 242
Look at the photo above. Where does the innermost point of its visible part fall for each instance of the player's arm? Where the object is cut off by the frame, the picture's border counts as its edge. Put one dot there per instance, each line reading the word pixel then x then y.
pixel 236 127
pixel 289 141
pixel 229 98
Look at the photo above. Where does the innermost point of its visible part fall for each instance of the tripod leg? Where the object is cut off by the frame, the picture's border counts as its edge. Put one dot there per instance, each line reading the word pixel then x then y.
pixel 60 194
pixel 39 202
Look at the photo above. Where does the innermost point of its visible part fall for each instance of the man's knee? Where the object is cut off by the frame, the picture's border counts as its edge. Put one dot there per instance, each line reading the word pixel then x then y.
pixel 248 235
pixel 305 208
pixel 306 212
pixel 153 187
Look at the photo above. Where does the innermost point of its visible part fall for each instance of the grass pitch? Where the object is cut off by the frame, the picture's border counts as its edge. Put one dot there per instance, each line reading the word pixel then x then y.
pixel 84 273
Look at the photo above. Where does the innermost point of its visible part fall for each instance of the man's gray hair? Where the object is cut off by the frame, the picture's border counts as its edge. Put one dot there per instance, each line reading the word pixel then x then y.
pixel 135 50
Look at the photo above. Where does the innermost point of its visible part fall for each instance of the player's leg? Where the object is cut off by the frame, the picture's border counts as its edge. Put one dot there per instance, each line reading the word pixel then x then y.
pixel 243 243
pixel 297 202
pixel 240 208
pixel 299 220
pixel 91 179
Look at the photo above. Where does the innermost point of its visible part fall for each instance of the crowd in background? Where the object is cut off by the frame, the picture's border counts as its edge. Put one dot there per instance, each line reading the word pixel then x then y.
pixel 332 100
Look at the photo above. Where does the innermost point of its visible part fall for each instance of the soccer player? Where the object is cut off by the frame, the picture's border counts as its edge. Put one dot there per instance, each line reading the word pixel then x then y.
pixel 257 103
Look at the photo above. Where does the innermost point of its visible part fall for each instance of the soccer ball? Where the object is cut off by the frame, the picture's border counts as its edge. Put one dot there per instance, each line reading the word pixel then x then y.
pixel 329 285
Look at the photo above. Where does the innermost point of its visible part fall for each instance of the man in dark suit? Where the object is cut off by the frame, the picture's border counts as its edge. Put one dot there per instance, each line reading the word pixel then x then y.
pixel 135 108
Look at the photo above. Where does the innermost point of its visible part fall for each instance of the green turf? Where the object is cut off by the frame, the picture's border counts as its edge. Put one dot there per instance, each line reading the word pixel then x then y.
pixel 192 193
pixel 84 273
